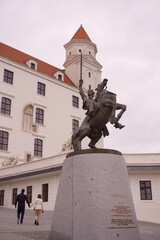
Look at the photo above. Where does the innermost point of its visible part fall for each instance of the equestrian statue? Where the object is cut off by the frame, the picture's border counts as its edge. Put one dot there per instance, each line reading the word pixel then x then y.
pixel 100 110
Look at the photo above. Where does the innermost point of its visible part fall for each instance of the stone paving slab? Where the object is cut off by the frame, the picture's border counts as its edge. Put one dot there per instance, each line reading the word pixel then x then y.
pixel 10 230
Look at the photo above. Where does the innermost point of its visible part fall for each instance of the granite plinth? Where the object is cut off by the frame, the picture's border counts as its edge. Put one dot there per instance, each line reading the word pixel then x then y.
pixel 94 200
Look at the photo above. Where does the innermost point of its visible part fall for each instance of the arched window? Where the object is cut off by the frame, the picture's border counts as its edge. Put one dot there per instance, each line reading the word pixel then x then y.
pixel 28 118
pixel 4 140
pixel 38 147
pixel 6 106
pixel 39 115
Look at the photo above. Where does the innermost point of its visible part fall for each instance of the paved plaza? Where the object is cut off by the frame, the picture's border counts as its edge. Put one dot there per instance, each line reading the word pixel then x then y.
pixel 10 230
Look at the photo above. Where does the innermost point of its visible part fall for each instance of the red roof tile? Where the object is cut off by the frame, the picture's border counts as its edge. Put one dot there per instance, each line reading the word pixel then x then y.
pixel 20 57
pixel 81 34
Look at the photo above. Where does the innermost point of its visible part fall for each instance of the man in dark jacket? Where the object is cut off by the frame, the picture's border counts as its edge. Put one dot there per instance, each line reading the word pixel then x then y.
pixel 21 198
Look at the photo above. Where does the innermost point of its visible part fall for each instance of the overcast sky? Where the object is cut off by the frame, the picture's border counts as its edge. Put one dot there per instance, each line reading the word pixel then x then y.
pixel 127 35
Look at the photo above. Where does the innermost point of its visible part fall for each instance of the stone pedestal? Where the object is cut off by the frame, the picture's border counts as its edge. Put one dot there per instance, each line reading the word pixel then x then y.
pixel 94 200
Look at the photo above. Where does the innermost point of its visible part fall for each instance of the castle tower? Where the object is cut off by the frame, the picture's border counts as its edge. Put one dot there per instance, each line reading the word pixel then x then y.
pixel 81 44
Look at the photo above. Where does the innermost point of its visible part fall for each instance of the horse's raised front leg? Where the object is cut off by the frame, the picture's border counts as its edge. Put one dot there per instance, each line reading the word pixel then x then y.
pixel 116 121
pixel 123 109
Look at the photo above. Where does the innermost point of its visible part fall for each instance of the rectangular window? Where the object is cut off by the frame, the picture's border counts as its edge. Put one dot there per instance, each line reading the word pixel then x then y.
pixel 33 65
pixel 75 101
pixel 38 147
pixel 41 88
pixel 14 195
pixel 8 76
pixel 1 197
pixel 145 190
pixel 5 106
pixel 29 193
pixel 45 192
pixel 4 140
pixel 60 77
pixel 39 115
pixel 75 125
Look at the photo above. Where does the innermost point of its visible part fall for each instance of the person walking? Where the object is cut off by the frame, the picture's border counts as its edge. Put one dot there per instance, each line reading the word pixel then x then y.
pixel 38 208
pixel 21 199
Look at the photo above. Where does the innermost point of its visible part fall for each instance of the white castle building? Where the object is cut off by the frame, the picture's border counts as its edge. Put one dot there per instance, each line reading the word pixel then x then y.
pixel 40 109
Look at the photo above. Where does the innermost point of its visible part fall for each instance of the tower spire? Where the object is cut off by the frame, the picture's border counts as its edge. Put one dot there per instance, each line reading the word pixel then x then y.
pixel 81 34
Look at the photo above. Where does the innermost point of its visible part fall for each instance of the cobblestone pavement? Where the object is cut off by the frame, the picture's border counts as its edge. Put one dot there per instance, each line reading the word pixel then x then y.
pixel 10 230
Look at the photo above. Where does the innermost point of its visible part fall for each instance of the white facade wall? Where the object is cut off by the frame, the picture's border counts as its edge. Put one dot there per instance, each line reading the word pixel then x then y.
pixel 25 174
pixel 88 67
pixel 89 63
pixel 73 47
pixel 95 74
pixel 73 70
pixel 146 210
pixel 57 106
pixel 36 182
pixel 138 158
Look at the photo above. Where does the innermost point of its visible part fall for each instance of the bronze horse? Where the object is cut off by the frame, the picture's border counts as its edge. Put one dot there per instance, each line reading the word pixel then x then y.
pixel 94 126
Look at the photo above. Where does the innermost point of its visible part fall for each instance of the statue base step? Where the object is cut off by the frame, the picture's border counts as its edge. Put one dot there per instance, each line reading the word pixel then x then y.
pixel 94 200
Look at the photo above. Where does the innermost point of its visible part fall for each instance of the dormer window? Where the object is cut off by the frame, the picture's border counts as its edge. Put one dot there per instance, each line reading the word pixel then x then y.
pixel 32 64
pixel 59 75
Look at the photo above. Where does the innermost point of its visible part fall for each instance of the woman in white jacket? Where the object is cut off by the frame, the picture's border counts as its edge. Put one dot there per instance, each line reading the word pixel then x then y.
pixel 38 207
